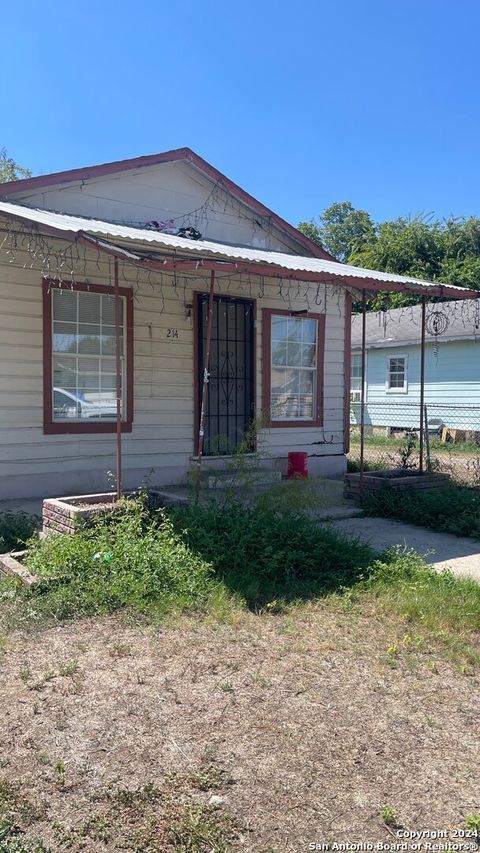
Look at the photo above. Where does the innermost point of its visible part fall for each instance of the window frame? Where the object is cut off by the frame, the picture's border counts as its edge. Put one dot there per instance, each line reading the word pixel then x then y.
pixel 267 314
pixel 358 354
pixel 404 388
pixel 76 427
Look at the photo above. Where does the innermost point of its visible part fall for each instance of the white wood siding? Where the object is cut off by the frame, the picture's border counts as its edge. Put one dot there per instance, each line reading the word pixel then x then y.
pixel 161 443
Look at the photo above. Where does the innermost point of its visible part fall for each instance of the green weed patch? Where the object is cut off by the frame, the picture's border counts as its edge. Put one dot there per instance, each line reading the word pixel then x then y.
pixel 454 509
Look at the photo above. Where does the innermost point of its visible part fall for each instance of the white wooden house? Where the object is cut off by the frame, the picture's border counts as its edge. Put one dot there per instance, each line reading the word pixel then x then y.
pixel 280 339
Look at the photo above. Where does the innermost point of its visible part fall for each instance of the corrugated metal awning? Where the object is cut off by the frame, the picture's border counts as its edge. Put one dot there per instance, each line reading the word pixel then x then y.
pixel 258 260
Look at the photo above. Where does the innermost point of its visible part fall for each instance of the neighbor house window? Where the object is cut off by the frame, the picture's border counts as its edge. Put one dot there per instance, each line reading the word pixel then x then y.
pixel 79 358
pixel 397 373
pixel 293 367
pixel 356 379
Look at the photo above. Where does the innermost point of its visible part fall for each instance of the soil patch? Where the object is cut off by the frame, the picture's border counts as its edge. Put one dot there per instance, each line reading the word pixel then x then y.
pixel 269 734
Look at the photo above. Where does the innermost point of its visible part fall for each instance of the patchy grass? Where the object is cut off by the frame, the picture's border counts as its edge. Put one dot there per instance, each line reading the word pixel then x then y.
pixel 278 700
pixel 327 704
pixel 16 528
pixel 138 820
pixel 436 600
pixel 394 442
pixel 381 464
pixel 454 509
pixel 219 561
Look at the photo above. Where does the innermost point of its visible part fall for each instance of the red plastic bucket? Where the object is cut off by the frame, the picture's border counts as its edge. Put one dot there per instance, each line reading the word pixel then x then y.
pixel 297 465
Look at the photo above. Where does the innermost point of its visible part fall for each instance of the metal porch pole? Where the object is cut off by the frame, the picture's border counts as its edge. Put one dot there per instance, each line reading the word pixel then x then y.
pixel 362 392
pixel 422 386
pixel 118 379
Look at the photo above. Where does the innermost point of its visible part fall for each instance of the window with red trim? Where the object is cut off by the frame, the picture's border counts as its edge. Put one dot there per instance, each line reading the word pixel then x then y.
pixel 79 358
pixel 293 347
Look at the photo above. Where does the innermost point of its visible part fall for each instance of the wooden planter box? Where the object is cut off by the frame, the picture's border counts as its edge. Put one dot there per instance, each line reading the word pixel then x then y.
pixel 397 478
pixel 66 515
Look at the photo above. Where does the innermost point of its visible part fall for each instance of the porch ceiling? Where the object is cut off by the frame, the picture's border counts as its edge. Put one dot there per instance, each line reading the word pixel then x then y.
pixel 166 251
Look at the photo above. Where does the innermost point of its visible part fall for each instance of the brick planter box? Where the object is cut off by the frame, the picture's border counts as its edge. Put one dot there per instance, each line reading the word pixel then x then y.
pixel 12 565
pixel 66 515
pixel 399 479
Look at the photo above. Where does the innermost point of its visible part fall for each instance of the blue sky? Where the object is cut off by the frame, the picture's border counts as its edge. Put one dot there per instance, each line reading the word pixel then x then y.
pixel 303 104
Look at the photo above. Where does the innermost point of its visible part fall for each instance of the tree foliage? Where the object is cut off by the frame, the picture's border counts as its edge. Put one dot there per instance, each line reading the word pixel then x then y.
pixel 446 251
pixel 10 170
pixel 340 229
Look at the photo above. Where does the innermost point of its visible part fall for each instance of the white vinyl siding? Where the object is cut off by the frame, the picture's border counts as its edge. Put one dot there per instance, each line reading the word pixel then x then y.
pixel 161 444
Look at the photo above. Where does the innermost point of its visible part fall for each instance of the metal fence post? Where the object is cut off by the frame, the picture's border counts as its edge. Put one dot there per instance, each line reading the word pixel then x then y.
pixel 427 436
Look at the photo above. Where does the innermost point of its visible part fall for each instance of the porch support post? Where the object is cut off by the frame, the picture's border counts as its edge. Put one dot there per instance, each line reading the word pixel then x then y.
pixel 118 378
pixel 422 386
pixel 362 391
pixel 206 377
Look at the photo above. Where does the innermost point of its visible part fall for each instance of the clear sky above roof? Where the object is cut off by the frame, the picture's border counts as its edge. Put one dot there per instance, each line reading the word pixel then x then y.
pixel 301 104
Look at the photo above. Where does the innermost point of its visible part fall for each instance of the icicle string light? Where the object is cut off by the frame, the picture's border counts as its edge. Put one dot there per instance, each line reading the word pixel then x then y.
pixel 63 260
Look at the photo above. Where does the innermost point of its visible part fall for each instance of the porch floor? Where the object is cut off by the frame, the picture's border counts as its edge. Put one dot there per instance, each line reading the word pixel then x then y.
pixel 332 504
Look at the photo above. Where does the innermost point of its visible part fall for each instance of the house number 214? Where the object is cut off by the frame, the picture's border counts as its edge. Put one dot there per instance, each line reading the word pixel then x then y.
pixel 172 333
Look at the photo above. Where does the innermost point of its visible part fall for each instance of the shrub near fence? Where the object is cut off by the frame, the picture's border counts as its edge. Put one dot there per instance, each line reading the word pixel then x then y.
pixel 392 438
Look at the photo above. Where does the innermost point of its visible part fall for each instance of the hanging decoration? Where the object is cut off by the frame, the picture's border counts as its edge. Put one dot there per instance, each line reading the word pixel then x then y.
pixel 436 324
pixel 69 260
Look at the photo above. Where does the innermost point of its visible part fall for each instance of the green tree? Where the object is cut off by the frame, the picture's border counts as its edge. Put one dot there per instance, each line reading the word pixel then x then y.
pixel 422 247
pixel 9 169
pixel 406 246
pixel 340 229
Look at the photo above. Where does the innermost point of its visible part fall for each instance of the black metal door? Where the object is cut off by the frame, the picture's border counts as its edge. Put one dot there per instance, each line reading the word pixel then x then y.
pixel 230 399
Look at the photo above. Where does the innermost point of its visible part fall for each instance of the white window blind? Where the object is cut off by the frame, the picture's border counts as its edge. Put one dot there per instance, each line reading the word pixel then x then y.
pixel 293 368
pixel 83 345
pixel 356 378
pixel 396 378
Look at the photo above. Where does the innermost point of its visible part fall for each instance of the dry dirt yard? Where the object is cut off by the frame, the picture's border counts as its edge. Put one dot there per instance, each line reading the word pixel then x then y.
pixel 263 735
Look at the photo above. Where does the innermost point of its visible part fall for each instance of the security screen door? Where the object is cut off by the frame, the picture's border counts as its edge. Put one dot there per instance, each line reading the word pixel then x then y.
pixel 230 399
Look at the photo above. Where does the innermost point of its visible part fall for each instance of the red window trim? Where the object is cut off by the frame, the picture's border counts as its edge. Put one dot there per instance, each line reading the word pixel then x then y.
pixel 267 368
pixel 51 427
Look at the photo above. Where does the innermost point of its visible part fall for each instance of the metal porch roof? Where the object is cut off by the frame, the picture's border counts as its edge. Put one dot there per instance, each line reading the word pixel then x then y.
pixel 71 226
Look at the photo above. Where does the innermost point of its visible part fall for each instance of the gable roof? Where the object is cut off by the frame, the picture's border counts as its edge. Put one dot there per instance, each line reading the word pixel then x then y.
pixel 182 252
pixel 402 326
pixel 178 154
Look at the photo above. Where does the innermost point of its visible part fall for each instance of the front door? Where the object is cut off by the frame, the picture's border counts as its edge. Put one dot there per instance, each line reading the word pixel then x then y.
pixel 230 399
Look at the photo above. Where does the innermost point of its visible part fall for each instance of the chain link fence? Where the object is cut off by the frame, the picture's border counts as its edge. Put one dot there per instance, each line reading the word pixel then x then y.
pixel 392 438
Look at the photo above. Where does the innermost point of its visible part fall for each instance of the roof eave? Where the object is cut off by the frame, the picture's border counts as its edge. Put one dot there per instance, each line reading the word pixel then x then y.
pixel 169 258
pixel 175 155
pixel 411 343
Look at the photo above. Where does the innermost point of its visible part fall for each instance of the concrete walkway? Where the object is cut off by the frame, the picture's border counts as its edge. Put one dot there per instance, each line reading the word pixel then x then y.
pixel 441 550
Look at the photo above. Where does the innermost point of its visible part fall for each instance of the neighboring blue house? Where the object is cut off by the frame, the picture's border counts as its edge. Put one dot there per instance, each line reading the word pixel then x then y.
pixel 452 367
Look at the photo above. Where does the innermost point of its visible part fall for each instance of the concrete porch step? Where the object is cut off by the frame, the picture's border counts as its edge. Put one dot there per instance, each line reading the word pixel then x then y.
pixel 337 513
pixel 251 478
